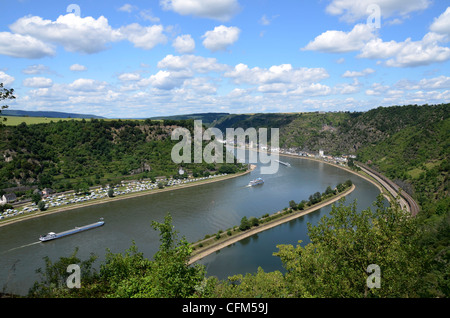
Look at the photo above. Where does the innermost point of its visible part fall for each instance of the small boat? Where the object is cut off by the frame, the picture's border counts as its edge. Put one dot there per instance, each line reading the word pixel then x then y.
pixel 52 235
pixel 256 182
pixel 284 163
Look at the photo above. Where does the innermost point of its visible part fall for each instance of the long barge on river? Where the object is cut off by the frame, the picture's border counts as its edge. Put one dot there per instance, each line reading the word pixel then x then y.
pixel 52 235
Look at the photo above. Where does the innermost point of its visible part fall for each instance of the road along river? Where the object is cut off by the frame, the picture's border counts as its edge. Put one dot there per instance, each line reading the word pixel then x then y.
pixel 196 211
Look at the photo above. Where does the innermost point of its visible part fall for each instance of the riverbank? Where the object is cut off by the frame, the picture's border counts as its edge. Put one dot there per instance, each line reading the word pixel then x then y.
pixel 122 197
pixel 201 252
pixel 386 192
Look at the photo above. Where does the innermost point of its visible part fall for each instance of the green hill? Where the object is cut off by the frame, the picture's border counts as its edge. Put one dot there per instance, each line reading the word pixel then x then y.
pixel 70 154
pixel 409 144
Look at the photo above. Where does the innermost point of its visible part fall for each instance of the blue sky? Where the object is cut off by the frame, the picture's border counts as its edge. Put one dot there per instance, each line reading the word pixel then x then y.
pixel 136 59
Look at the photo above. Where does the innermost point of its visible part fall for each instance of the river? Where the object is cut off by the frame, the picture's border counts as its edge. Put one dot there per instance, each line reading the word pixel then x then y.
pixel 196 211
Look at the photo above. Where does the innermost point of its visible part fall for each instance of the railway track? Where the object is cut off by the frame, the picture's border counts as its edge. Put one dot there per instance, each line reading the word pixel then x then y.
pixel 406 200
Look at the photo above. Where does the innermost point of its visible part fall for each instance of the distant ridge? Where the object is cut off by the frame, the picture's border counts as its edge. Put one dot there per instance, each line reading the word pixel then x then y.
pixel 207 118
pixel 48 114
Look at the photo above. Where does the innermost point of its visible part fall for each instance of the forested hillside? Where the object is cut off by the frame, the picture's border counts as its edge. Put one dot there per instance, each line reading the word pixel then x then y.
pixel 409 144
pixel 67 155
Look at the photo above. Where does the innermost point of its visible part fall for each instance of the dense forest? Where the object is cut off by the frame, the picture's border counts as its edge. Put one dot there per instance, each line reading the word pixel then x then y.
pixel 66 155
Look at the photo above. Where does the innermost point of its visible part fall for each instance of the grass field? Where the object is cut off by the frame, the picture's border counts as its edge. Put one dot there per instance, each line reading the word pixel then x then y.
pixel 16 120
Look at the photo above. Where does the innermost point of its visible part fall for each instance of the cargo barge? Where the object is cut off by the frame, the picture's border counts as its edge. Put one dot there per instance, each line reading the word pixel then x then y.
pixel 52 235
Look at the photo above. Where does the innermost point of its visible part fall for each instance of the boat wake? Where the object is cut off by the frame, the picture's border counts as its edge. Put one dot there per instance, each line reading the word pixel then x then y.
pixel 19 247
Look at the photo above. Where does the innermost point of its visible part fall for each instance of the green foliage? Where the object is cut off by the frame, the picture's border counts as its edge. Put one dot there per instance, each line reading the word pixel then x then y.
pixel 54 275
pixel 131 274
pixel 245 224
pixel 5 93
pixel 41 205
pixel 343 245
pixel 77 154
pixel 260 284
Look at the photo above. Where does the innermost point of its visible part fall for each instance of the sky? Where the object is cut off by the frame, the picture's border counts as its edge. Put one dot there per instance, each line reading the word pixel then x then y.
pixel 145 58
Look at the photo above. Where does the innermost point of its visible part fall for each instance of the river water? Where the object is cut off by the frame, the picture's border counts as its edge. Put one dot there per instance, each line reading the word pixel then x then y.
pixel 196 211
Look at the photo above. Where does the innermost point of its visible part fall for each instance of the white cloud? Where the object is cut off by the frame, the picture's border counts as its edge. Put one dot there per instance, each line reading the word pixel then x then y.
pixel 24 46
pixel 166 80
pixel 408 53
pixel 184 44
pixel 36 69
pixel 78 68
pixel 74 33
pixel 191 63
pixel 6 79
pixel 37 82
pixel 362 73
pixel 352 11
pixel 129 77
pixel 87 85
pixel 220 38
pixel 144 37
pixel 442 23
pixel 148 15
pixel 440 82
pixel 221 10
pixel 127 8
pixel 284 73
pixel 333 41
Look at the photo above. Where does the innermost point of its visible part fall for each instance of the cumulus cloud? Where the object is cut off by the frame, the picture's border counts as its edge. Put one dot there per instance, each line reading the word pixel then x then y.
pixel 362 73
pixel 144 37
pixel 87 85
pixel 352 11
pixel 408 53
pixel 24 46
pixel 37 82
pixel 184 44
pixel 36 69
pixel 220 38
pixel 129 77
pixel 222 10
pixel 333 41
pixel 191 63
pixel 78 68
pixel 74 33
pixel 283 73
pixel 166 80
pixel 439 82
pixel 441 24
pixel 6 79
pixel 33 36
pixel 127 8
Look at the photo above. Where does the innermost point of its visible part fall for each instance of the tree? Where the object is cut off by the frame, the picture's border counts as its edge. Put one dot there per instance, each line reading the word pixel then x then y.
pixel 41 206
pixel 254 221
pixel 54 275
pixel 245 224
pixel 5 94
pixel 36 197
pixel 342 247
pixel 292 204
pixel 111 192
